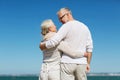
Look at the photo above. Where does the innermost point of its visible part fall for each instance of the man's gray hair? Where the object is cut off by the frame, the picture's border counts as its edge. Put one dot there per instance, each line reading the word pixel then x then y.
pixel 65 8
pixel 45 26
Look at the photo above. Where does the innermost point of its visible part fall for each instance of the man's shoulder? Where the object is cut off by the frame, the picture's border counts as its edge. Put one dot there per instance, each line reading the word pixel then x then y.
pixel 70 23
pixel 74 22
pixel 81 23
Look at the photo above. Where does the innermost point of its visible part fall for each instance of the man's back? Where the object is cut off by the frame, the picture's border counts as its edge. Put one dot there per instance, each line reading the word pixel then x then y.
pixel 77 36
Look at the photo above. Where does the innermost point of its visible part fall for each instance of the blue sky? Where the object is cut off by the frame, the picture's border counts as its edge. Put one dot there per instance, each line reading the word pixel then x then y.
pixel 20 32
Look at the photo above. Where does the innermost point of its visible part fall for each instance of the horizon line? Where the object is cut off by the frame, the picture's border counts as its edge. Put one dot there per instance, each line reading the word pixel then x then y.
pixel 88 74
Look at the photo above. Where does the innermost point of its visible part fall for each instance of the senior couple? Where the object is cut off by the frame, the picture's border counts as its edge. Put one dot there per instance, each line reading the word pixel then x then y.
pixel 67 52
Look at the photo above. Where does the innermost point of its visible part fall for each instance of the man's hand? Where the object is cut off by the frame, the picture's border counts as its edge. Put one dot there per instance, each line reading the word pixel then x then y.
pixel 42 46
pixel 87 68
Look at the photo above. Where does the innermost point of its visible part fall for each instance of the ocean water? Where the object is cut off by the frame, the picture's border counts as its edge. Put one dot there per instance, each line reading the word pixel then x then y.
pixel 36 78
pixel 103 77
pixel 18 78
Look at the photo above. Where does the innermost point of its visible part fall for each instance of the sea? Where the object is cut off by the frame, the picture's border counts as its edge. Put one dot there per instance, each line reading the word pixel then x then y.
pixel 36 77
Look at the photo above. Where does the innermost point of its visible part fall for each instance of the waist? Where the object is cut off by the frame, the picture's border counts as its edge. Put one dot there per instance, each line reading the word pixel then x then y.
pixel 67 59
pixel 50 66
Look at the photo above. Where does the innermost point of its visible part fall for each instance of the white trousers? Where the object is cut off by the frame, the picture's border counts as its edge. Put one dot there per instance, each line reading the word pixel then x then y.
pixel 50 71
pixel 73 71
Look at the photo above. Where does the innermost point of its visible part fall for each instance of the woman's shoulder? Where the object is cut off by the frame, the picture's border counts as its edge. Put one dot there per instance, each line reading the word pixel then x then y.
pixel 49 35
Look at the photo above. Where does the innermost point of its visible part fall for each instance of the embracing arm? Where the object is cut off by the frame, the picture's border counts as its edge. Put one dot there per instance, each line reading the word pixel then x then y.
pixel 68 50
pixel 55 40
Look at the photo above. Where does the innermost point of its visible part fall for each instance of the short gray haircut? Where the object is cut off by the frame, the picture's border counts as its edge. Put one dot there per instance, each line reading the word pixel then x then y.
pixel 45 26
pixel 65 8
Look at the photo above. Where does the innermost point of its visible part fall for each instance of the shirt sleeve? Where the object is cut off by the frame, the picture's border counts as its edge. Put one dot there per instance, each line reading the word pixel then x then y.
pixel 89 47
pixel 69 50
pixel 60 35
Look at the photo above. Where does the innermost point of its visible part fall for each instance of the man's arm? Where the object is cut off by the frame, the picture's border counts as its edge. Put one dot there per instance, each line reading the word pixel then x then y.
pixel 55 40
pixel 89 56
pixel 89 49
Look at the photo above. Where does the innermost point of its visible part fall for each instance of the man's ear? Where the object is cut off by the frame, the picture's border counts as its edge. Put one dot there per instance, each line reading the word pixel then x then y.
pixel 69 15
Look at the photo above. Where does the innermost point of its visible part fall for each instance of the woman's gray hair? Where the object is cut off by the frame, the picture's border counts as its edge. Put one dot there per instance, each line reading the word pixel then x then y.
pixel 45 26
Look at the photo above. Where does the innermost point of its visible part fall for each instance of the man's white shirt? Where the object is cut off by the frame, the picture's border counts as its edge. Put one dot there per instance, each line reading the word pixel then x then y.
pixel 77 35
